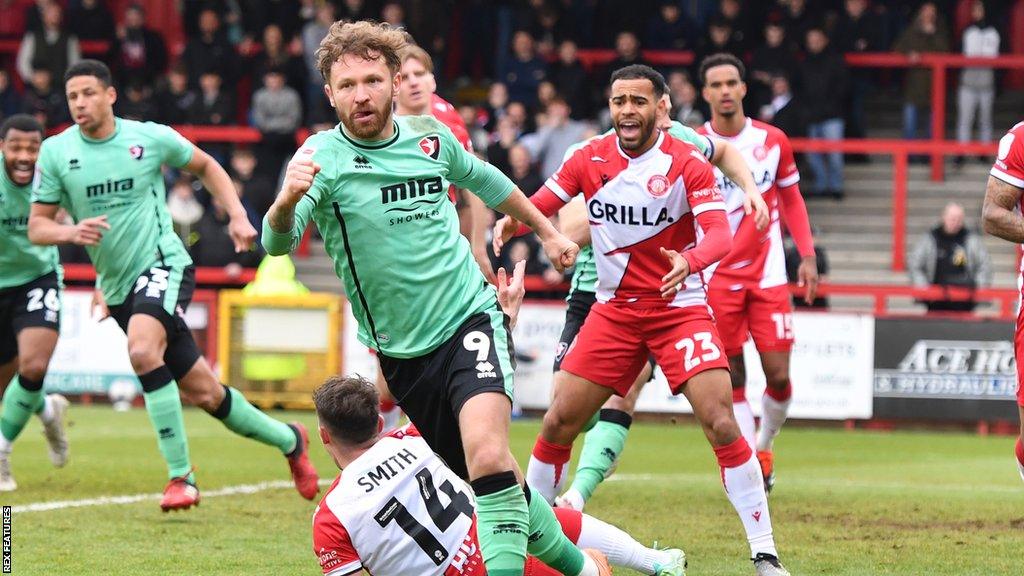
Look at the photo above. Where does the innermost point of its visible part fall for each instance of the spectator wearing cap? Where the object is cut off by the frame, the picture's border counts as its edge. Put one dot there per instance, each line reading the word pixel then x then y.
pixel 823 84
pixel 139 53
pixel 52 48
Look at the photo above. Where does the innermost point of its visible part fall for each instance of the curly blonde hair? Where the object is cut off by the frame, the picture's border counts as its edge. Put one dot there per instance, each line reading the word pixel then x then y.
pixel 365 39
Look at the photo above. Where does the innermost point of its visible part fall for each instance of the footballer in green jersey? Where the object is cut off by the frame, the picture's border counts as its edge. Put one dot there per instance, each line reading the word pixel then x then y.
pixel 30 298
pixel 106 171
pixel 377 188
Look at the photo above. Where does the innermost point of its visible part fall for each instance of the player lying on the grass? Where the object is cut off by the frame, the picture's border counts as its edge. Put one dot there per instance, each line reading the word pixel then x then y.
pixel 647 196
pixel 1001 214
pixel 30 297
pixel 396 509
pixel 607 430
pixel 377 188
pixel 106 172
pixel 748 290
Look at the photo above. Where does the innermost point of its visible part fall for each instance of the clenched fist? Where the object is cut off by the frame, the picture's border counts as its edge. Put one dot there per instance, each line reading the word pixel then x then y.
pixel 298 179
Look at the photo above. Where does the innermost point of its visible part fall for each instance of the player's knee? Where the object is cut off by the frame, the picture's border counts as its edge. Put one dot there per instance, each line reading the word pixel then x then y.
pixel 490 458
pixel 144 356
pixel 560 427
pixel 33 367
pixel 723 428
pixel 777 378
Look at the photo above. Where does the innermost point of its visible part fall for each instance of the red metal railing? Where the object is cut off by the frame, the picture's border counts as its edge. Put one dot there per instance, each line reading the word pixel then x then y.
pixel 940 64
pixel 205 275
pixel 900 150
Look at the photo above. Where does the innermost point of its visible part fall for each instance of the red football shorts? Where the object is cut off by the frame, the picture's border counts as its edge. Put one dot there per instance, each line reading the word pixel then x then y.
pixel 1018 353
pixel 616 340
pixel 764 313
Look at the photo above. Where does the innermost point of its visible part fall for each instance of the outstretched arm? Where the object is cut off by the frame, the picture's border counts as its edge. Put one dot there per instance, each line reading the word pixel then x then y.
pixel 559 249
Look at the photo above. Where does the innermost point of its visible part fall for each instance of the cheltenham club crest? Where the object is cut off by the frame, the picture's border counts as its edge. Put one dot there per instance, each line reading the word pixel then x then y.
pixel 136 151
pixel 431 146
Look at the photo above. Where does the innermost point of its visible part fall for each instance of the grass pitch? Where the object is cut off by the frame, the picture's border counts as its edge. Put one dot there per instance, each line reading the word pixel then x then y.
pixel 846 503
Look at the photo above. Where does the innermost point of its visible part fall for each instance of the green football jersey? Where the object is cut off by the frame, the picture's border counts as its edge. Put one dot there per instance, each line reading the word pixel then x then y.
pixel 584 276
pixel 387 222
pixel 20 260
pixel 120 177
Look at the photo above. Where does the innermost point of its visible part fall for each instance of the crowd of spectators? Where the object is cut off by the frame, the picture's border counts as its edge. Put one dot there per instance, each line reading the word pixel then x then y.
pixel 513 67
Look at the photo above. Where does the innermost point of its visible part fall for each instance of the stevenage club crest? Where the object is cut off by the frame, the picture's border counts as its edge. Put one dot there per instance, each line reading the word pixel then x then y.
pixel 760 153
pixel 657 185
pixel 431 146
pixel 136 151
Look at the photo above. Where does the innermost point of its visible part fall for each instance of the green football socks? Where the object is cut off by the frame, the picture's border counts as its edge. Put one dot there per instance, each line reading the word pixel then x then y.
pixel 547 541
pixel 601 448
pixel 244 419
pixel 21 400
pixel 163 404
pixel 503 520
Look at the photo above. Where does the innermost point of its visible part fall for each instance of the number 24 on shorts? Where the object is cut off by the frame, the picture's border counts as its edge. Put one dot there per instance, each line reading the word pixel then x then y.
pixel 708 350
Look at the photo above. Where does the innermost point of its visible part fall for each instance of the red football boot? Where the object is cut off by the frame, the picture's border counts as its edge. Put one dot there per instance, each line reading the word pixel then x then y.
pixel 307 482
pixel 180 494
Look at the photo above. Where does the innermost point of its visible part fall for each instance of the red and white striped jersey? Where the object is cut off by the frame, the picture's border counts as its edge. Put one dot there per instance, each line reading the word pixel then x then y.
pixel 397 510
pixel 1009 167
pixel 756 256
pixel 637 206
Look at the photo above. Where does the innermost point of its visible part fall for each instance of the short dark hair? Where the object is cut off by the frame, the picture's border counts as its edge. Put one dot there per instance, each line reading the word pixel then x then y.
pixel 721 59
pixel 642 72
pixel 22 123
pixel 89 67
pixel 349 407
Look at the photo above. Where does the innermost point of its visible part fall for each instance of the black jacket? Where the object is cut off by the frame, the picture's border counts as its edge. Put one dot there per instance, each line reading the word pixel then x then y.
pixel 823 85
